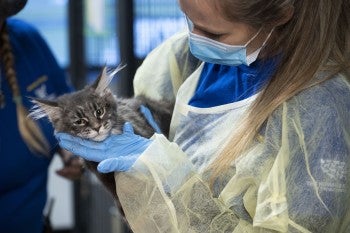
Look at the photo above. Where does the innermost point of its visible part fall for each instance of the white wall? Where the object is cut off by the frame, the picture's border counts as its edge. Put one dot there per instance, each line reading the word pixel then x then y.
pixel 60 190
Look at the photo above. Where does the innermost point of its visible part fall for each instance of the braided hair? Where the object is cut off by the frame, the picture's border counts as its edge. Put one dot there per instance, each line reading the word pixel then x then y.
pixel 28 128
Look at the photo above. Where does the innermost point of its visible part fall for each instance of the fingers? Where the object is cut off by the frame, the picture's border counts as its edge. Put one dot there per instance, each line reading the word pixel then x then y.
pixel 64 137
pixel 113 146
pixel 148 115
pixel 116 164
pixel 127 128
pixel 80 147
pixel 71 173
pixel 72 170
pixel 89 150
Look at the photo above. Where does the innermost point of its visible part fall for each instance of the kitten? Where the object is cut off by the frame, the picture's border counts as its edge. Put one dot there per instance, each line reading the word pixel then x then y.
pixel 94 113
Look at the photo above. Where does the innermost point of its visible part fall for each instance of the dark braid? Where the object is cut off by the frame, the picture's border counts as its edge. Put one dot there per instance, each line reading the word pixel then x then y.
pixel 29 130
pixel 8 59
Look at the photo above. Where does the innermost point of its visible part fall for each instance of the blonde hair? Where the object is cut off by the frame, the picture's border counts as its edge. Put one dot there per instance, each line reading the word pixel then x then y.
pixel 316 38
pixel 29 130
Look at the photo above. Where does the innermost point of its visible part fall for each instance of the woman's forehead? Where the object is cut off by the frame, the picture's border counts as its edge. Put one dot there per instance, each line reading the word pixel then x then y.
pixel 199 9
pixel 204 13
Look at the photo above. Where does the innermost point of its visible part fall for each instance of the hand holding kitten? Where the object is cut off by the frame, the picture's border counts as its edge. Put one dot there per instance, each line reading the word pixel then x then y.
pixel 116 153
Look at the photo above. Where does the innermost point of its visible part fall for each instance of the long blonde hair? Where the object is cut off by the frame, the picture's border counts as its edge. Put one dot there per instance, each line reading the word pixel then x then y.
pixel 316 38
pixel 28 129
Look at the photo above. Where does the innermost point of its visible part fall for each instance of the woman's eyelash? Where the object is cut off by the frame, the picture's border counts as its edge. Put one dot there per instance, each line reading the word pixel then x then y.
pixel 211 34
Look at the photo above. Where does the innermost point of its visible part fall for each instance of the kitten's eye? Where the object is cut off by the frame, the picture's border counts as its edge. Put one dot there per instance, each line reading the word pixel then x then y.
pixel 99 113
pixel 80 122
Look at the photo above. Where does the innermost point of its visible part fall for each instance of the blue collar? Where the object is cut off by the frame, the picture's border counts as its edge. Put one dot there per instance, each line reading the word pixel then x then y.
pixel 222 84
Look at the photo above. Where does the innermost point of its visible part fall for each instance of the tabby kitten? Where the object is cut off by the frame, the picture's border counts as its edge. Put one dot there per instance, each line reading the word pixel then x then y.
pixel 94 113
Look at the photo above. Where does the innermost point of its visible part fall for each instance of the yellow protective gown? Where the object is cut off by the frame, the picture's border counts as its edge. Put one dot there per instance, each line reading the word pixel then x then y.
pixel 294 180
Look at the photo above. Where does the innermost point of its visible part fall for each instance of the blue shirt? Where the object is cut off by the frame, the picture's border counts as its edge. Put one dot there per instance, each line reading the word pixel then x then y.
pixel 23 175
pixel 222 84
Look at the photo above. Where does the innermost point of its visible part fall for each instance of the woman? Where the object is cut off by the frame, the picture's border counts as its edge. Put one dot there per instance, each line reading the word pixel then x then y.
pixel 260 129
pixel 27 68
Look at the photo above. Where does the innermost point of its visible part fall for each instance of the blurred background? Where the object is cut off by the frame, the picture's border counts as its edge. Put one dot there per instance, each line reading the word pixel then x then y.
pixel 84 36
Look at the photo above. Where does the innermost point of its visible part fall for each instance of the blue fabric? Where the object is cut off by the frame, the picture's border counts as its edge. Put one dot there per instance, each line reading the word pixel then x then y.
pixel 222 84
pixel 118 152
pixel 23 175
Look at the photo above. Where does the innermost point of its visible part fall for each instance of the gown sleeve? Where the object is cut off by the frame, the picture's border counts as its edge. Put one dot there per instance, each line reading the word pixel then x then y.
pixel 294 180
pixel 165 69
pixel 308 184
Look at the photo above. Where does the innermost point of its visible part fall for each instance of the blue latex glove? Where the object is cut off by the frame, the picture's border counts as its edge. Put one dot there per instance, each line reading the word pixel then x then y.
pixel 148 115
pixel 118 164
pixel 118 152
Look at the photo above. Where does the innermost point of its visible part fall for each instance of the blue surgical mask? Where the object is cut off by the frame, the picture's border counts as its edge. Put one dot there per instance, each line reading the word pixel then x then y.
pixel 212 51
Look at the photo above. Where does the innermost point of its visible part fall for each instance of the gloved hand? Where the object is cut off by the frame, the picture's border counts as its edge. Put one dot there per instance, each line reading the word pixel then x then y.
pixel 118 152
pixel 148 115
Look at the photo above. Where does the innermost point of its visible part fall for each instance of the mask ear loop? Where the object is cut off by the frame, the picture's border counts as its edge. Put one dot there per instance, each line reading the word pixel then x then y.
pixel 252 57
pixel 189 23
pixel 256 34
pixel 265 41
pixel 268 37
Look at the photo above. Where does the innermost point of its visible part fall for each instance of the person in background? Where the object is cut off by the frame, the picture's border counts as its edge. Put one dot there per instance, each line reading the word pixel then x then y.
pixel 28 68
pixel 260 134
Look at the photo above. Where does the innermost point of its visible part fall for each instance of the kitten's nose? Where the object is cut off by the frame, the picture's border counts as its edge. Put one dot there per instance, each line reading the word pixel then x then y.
pixel 96 127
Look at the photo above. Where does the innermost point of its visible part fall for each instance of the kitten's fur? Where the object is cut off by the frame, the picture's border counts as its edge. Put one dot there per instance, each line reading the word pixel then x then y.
pixel 94 113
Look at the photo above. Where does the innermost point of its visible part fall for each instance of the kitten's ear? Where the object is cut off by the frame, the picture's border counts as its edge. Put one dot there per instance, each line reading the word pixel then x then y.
pixel 45 108
pixel 105 78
